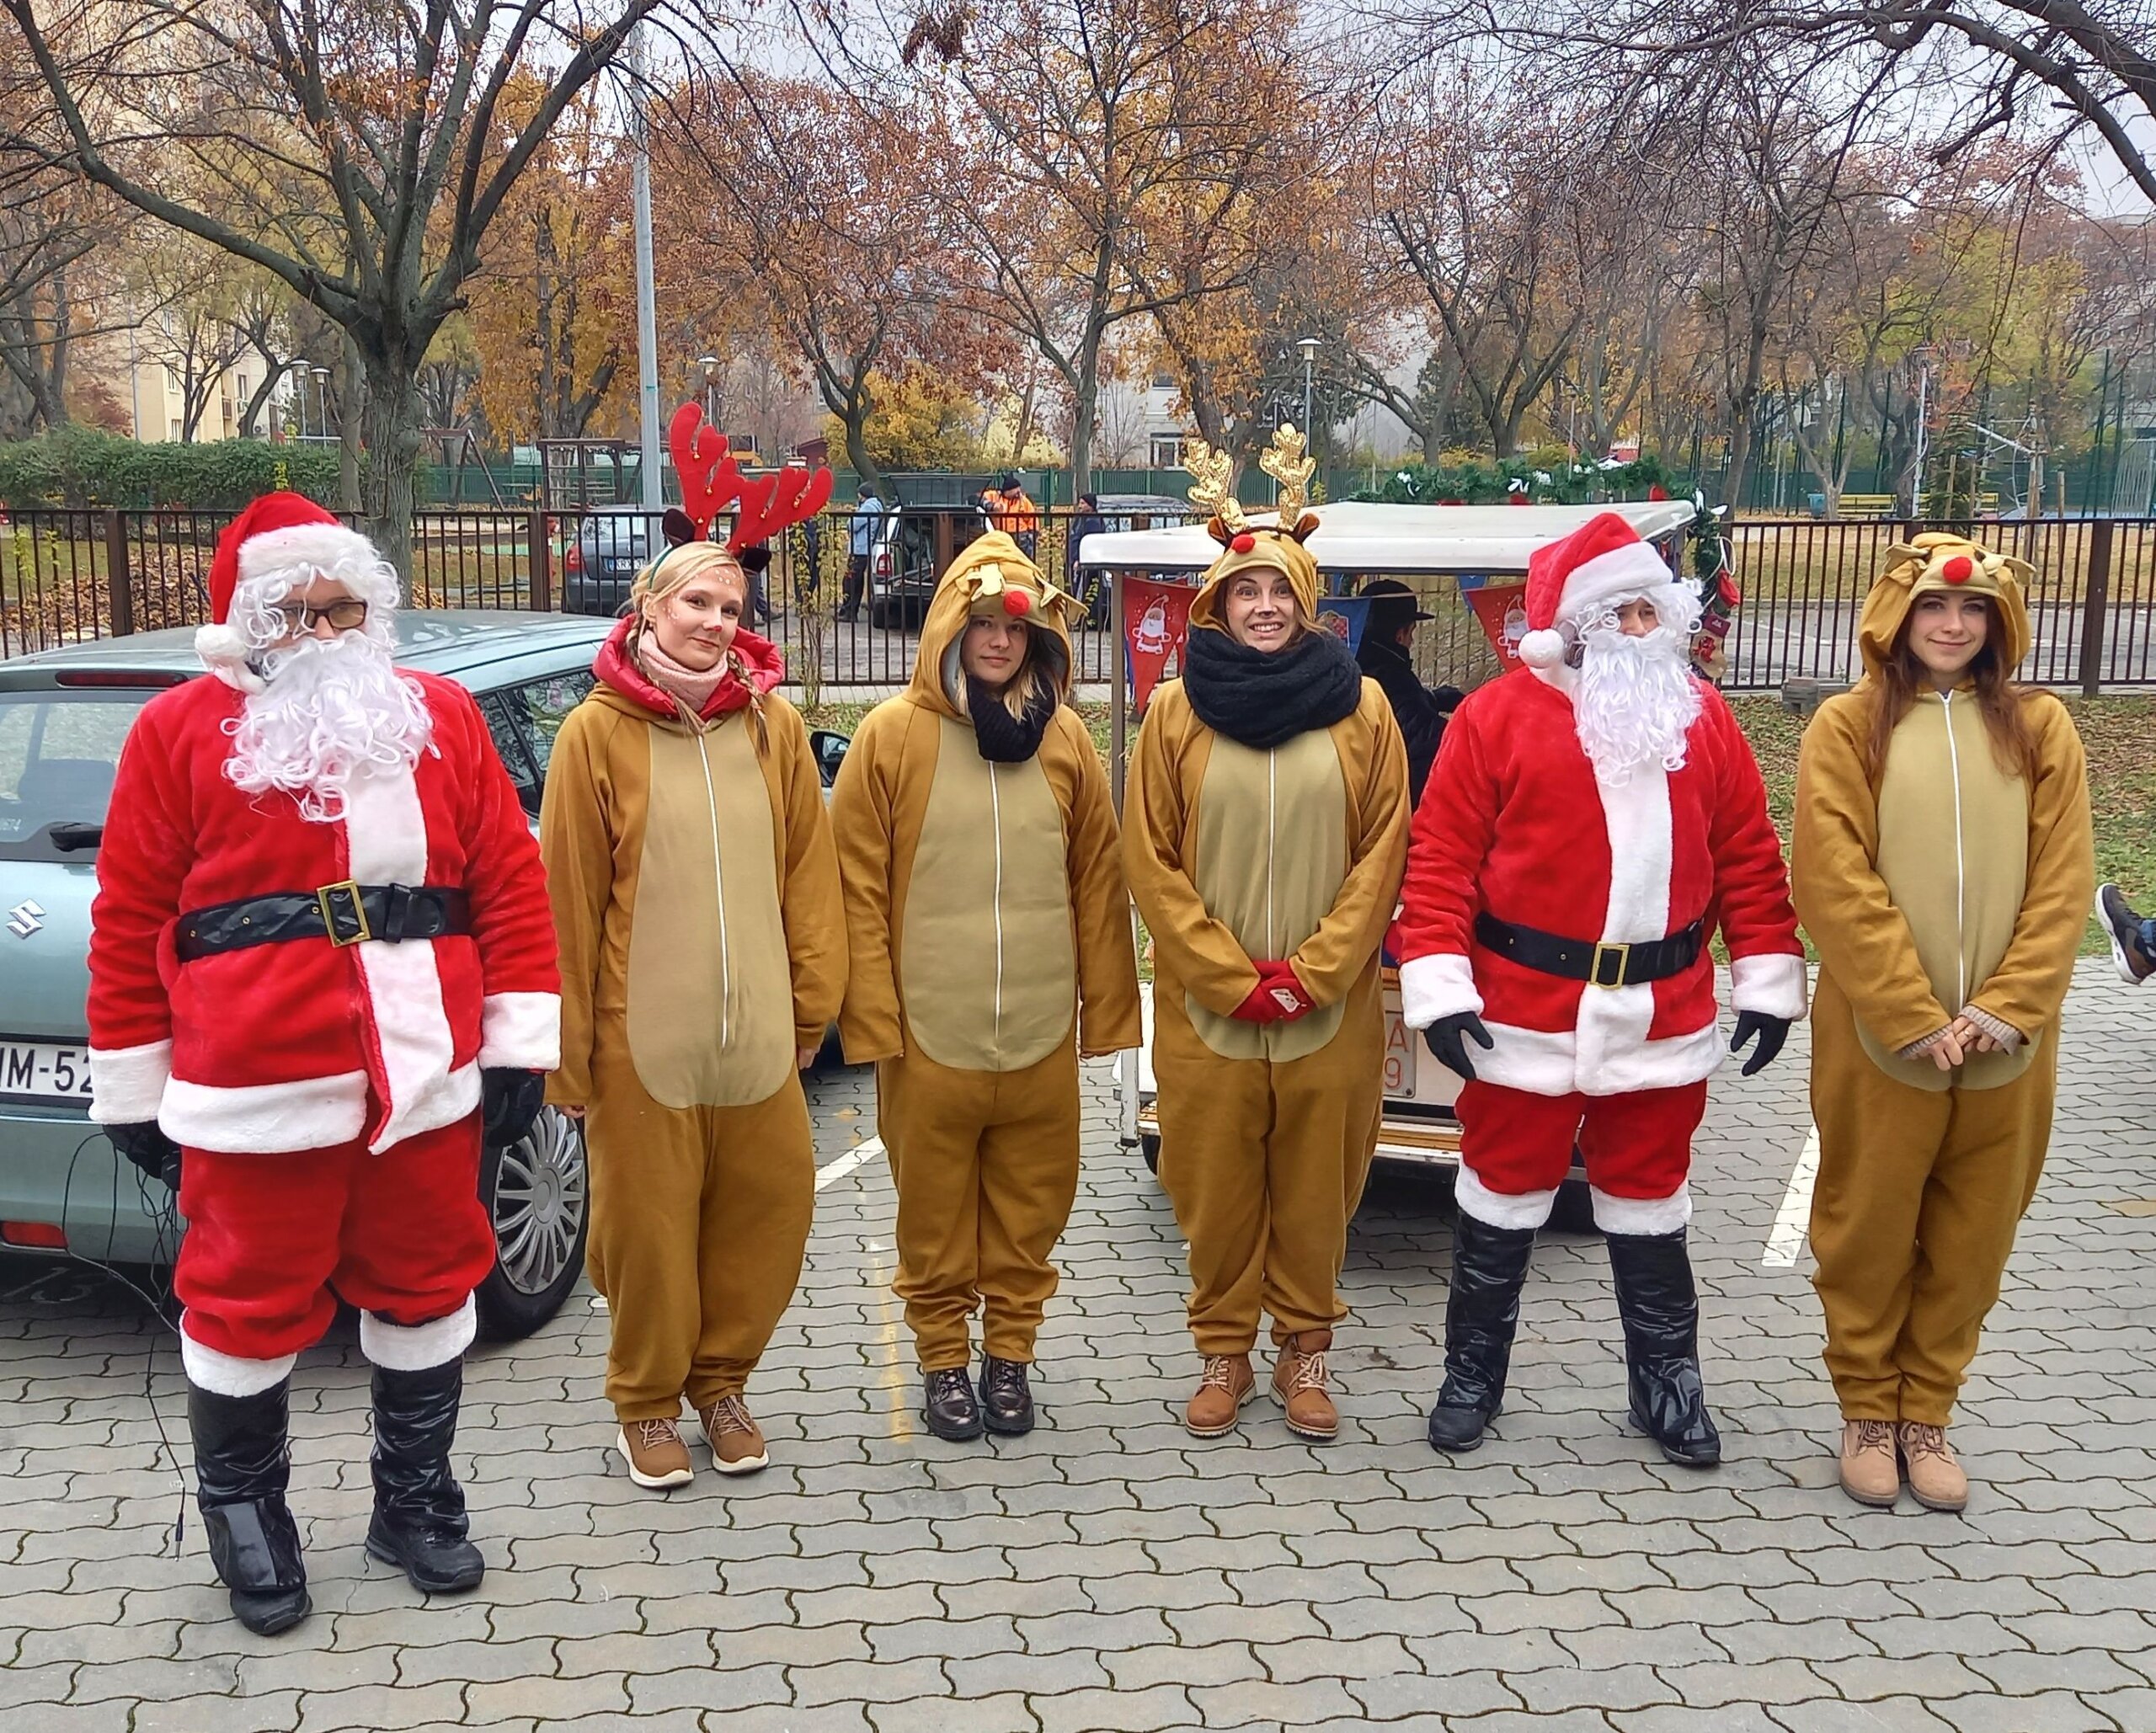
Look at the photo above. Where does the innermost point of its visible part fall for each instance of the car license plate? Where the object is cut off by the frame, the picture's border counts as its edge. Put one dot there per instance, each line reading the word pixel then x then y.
pixel 1399 1045
pixel 38 1071
pixel 623 563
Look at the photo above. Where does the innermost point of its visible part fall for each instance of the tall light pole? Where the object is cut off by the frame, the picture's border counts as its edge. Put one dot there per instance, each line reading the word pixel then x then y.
pixel 710 365
pixel 647 291
pixel 321 401
pixel 1309 346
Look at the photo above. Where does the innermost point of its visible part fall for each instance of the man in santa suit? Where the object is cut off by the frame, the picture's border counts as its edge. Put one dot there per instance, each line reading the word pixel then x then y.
pixel 1593 815
pixel 321 957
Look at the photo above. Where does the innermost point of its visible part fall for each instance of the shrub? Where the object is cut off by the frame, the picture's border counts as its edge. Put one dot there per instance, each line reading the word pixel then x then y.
pixel 1546 478
pixel 79 466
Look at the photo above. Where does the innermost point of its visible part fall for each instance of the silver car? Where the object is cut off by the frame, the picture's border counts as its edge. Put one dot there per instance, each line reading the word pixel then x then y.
pixel 63 715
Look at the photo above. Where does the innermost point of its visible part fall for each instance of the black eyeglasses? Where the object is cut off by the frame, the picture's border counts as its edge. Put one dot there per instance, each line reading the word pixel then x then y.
pixel 346 614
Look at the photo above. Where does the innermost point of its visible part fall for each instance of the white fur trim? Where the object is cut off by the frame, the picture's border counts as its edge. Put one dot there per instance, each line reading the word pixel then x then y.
pixel 318 548
pixel 1772 983
pixel 1439 985
pixel 386 838
pixel 1613 1022
pixel 521 1029
pixel 127 1084
pixel 417 1347
pixel 1543 1063
pixel 266 1118
pixel 1543 650
pixel 215 644
pixel 1501 1209
pixel 1621 573
pixel 228 1374
pixel 1641 1215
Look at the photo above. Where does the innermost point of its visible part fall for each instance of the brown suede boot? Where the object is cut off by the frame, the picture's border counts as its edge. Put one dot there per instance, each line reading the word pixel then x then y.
pixel 1870 1474
pixel 1226 1385
pixel 1935 1478
pixel 1298 1379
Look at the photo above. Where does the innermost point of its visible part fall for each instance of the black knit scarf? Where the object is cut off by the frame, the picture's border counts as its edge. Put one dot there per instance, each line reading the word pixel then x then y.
pixel 1265 698
pixel 1002 738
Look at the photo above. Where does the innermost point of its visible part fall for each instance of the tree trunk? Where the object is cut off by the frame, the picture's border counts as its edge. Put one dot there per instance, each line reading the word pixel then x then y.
pixel 393 418
pixel 1085 408
pixel 353 407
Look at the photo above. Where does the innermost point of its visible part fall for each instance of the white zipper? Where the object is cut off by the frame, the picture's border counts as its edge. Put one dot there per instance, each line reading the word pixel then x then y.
pixel 1271 827
pixel 995 818
pixel 718 891
pixel 1961 881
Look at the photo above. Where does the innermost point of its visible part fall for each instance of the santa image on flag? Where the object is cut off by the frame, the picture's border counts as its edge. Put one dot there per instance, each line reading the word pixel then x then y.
pixel 322 955
pixel 1593 815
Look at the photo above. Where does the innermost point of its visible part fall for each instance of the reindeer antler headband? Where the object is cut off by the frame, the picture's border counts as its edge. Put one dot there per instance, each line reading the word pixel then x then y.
pixel 1287 460
pixel 711 480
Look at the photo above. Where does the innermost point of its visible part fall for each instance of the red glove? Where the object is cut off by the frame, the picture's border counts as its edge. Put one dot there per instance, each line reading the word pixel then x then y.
pixel 1278 997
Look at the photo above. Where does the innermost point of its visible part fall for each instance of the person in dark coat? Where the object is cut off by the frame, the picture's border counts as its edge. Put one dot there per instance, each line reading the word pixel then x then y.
pixel 1387 656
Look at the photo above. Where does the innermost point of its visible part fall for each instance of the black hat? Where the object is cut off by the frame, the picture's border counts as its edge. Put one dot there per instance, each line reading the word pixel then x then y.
pixel 1390 593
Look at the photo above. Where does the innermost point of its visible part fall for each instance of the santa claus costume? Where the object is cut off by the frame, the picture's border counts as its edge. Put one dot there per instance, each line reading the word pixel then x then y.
pixel 1593 815
pixel 321 939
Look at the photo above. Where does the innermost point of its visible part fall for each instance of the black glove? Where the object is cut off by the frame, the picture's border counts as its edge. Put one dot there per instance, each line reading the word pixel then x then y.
pixel 1772 1031
pixel 1448 1038
pixel 509 1099
pixel 144 1144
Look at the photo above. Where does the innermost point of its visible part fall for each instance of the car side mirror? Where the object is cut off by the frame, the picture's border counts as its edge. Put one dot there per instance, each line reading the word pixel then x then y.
pixel 830 748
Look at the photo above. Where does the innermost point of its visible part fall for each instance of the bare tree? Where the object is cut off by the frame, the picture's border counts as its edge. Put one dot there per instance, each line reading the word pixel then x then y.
pixel 357 152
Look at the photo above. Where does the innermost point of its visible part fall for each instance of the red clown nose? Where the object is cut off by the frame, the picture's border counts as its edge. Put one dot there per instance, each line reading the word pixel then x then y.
pixel 1244 542
pixel 1959 570
pixel 1018 604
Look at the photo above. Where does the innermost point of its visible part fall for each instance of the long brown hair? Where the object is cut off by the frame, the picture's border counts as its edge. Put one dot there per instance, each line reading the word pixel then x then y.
pixel 2002 703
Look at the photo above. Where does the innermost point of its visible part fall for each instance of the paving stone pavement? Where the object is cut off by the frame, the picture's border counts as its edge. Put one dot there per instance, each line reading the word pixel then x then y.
pixel 1111 1572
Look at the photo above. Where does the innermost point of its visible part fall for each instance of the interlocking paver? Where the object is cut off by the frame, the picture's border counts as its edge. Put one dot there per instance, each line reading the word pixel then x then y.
pixel 1111 1572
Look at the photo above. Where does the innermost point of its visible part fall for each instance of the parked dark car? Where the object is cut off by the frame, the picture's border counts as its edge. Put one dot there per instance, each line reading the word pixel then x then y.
pixel 601 560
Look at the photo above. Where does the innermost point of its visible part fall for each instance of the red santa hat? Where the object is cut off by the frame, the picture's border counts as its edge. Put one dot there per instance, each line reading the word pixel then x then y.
pixel 283 537
pixel 1602 561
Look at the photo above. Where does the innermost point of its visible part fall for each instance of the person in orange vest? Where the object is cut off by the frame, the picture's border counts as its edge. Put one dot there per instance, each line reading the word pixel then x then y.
pixel 1015 516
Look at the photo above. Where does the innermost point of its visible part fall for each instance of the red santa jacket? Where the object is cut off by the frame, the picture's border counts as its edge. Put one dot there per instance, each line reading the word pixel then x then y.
pixel 279 1046
pixel 1513 822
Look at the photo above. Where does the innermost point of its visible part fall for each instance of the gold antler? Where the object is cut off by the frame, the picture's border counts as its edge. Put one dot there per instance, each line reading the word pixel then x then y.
pixel 1215 493
pixel 1287 463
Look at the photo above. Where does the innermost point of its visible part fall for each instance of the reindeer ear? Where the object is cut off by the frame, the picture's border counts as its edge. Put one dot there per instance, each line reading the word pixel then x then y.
pixel 677 527
pixel 1219 532
pixel 754 559
pixel 1301 528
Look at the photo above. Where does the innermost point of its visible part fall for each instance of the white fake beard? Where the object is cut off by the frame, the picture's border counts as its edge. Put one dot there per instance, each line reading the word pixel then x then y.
pixel 1634 699
pixel 331 712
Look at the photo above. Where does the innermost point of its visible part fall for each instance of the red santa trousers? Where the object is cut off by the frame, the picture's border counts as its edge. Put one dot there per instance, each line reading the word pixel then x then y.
pixel 274 1240
pixel 1516 1148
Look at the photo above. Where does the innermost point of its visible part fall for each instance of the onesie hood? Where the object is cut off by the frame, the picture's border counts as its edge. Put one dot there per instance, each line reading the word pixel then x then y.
pixel 990 573
pixel 1939 560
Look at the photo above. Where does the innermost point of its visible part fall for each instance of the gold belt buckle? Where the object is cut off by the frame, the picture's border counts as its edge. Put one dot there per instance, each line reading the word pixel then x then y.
pixel 350 887
pixel 1623 953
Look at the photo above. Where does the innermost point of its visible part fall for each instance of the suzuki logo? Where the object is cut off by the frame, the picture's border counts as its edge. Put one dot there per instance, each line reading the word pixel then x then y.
pixel 26 918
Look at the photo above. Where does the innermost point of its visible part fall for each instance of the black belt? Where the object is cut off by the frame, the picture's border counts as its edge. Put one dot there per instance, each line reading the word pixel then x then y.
pixel 1600 965
pixel 344 913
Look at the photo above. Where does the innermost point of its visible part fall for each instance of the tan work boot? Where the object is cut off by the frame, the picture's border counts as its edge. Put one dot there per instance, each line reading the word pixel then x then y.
pixel 656 1456
pixel 1870 1473
pixel 1299 1377
pixel 1225 1385
pixel 1935 1478
pixel 737 1442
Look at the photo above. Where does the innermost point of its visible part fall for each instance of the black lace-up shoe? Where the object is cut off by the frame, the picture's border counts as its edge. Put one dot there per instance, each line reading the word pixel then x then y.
pixel 1006 1403
pixel 952 1413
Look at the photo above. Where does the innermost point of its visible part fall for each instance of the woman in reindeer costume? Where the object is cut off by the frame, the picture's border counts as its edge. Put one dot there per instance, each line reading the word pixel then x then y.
pixel 1264 831
pixel 696 896
pixel 990 934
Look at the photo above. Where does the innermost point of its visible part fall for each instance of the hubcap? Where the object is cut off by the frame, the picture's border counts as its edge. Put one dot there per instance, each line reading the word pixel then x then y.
pixel 539 1203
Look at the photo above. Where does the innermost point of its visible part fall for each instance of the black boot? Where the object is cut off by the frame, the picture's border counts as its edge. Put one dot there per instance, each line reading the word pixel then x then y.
pixel 1005 1402
pixel 1661 1312
pixel 953 1415
pixel 419 1523
pixel 1489 1265
pixel 240 1469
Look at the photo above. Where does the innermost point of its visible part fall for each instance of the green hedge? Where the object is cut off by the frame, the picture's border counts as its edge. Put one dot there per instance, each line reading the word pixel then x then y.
pixel 81 467
pixel 1547 478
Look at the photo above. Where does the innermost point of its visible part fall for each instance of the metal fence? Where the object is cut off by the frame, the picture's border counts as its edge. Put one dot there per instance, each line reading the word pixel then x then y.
pixel 67 575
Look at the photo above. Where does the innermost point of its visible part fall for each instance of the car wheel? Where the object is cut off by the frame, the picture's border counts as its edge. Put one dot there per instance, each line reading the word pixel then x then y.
pixel 879 614
pixel 538 1193
pixel 1149 1147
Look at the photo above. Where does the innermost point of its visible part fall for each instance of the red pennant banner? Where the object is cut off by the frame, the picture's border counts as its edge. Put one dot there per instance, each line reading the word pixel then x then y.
pixel 1155 621
pixel 1501 609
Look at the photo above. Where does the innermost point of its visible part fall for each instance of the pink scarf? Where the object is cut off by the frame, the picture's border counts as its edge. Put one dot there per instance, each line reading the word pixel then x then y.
pixel 692 689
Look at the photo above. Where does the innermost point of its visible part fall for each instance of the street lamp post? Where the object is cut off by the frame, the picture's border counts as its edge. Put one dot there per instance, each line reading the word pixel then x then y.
pixel 710 365
pixel 1309 346
pixel 321 401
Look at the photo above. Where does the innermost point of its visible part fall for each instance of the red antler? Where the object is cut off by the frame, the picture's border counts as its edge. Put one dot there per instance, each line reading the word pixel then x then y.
pixel 777 501
pixel 709 477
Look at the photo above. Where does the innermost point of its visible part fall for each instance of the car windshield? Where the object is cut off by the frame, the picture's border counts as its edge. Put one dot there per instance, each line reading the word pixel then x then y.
pixel 58 753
